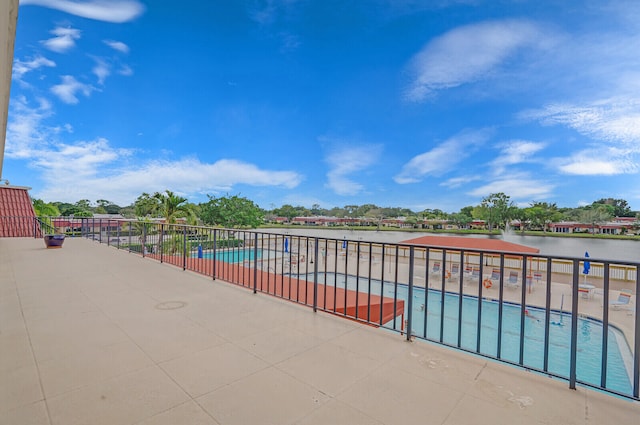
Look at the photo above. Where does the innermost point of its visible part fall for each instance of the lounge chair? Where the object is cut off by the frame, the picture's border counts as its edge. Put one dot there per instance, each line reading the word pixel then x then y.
pixel 474 274
pixel 513 281
pixel 495 275
pixel 455 271
pixel 436 268
pixel 467 274
pixel 624 299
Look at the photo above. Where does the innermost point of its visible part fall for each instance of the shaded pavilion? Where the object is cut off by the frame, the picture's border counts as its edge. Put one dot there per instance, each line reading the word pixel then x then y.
pixel 476 244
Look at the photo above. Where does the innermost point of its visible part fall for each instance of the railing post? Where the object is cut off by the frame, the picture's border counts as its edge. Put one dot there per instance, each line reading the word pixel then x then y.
pixel 574 326
pixel 255 263
pixel 523 307
pixel 500 308
pixel 636 341
pixel 547 315
pixel 184 247
pixel 410 296
pixel 161 242
pixel 357 277
pixel 213 258
pixel 315 275
pixel 605 327
pixel 144 240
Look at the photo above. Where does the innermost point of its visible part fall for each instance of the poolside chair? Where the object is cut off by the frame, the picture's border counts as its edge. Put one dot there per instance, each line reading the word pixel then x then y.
pixel 467 274
pixel 436 268
pixel 455 271
pixel 624 299
pixel 537 276
pixel 585 292
pixel 513 281
pixel 475 274
pixel 495 275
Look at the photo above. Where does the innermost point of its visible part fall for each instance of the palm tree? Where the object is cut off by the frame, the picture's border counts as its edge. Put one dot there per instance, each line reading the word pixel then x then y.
pixel 171 207
pixel 141 227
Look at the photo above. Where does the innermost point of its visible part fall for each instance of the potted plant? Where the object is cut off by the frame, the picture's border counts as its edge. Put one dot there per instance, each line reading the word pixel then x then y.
pixel 44 211
pixel 54 240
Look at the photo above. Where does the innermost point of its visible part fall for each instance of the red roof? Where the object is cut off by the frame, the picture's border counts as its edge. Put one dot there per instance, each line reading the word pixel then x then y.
pixel 479 244
pixel 16 212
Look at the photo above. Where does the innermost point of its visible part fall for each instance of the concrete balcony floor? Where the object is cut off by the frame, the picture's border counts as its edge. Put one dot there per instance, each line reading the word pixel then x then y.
pixel 92 335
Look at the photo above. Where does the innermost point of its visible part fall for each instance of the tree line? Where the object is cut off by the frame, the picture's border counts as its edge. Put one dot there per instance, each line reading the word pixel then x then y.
pixel 496 210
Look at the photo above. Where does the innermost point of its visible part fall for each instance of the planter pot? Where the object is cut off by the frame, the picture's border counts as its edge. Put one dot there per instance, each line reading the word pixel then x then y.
pixel 53 241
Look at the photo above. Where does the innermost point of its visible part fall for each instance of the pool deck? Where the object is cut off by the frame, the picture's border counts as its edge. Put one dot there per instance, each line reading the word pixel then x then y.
pixel 92 335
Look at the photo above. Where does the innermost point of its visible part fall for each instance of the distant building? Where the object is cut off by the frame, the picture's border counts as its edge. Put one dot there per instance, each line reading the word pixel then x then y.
pixel 618 226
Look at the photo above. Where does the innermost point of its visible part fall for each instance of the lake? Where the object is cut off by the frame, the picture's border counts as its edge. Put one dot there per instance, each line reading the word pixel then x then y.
pixel 603 249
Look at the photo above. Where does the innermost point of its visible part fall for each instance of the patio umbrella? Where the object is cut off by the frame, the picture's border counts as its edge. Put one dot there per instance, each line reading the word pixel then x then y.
pixel 586 265
pixel 286 244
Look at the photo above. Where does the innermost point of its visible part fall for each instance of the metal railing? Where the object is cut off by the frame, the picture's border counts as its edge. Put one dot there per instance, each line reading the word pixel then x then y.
pixel 537 312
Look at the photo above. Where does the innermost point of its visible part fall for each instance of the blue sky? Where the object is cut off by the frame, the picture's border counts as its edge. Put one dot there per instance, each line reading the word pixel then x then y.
pixel 418 104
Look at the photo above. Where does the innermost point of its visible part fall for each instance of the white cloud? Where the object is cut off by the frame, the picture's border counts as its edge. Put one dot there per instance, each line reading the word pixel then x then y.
pixel 101 69
pixel 188 176
pixel 22 67
pixel 290 42
pixel 614 120
pixel 600 162
pixel 125 70
pixel 67 90
pixel 25 132
pixel 265 12
pixel 613 125
pixel 65 39
pixel 459 181
pixel 117 45
pixel 116 11
pixel 346 160
pixel 467 54
pixel 272 12
pixel 443 157
pixel 80 169
pixel 515 152
pixel 518 186
pixel 86 157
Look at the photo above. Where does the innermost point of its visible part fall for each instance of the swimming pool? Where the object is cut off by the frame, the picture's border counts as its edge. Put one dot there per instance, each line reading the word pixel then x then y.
pixel 233 255
pixel 429 309
pixel 240 255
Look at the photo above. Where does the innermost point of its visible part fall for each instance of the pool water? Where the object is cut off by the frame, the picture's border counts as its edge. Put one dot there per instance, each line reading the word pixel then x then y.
pixel 589 348
pixel 233 255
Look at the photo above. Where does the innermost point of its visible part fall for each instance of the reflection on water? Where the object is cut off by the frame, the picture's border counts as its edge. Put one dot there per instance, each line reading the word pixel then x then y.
pixel 605 249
